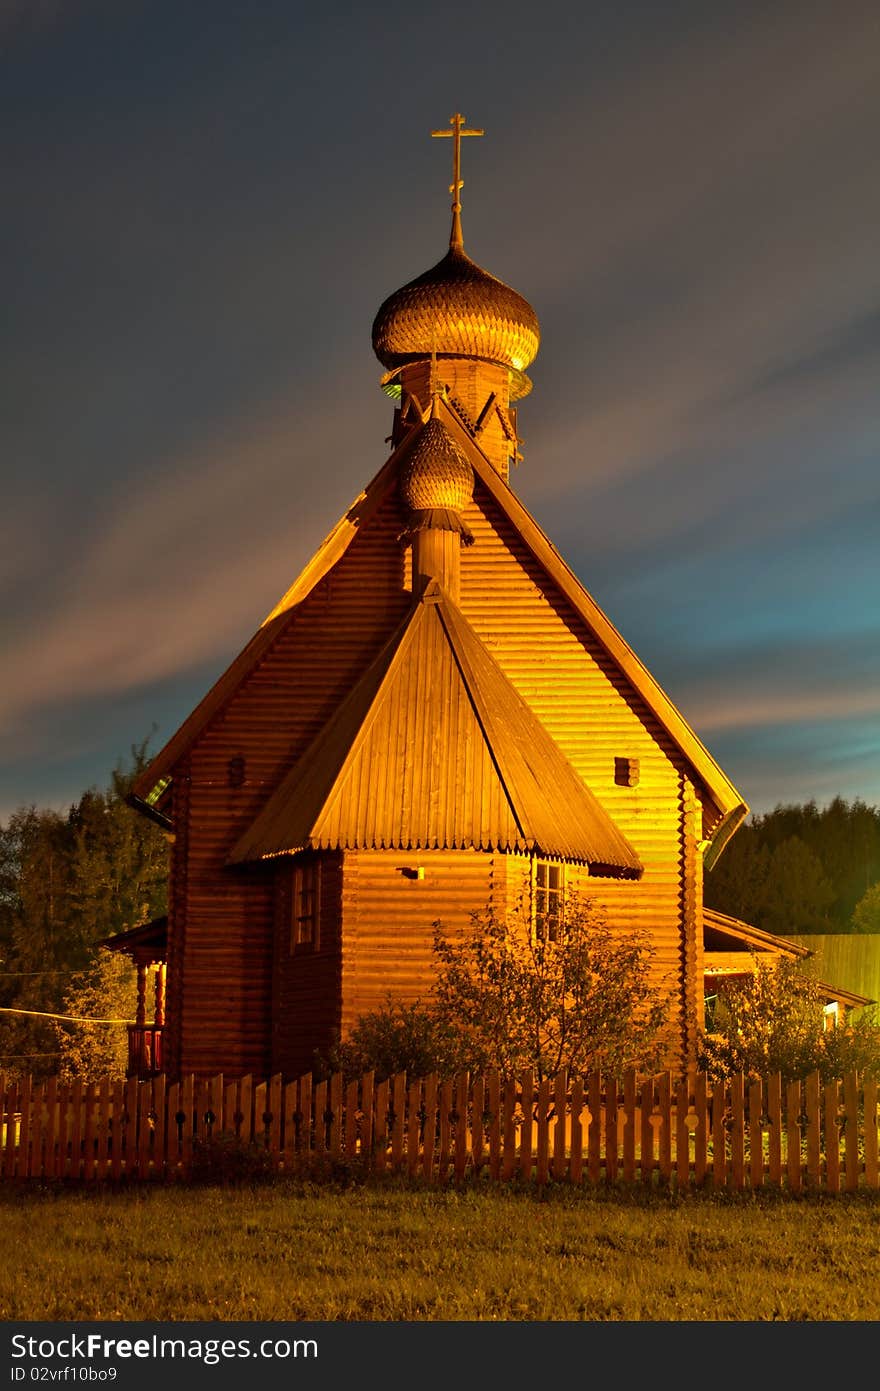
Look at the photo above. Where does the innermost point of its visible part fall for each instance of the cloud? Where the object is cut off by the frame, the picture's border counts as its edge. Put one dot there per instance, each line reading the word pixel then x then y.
pixel 825 679
pixel 184 568
pixel 706 299
pixel 853 346
pixel 800 762
pixel 761 709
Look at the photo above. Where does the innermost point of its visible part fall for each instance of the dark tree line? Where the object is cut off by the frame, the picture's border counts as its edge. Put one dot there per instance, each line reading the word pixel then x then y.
pixel 801 869
pixel 66 882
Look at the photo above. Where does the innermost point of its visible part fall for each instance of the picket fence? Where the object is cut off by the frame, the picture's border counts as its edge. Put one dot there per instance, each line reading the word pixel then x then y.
pixel 667 1131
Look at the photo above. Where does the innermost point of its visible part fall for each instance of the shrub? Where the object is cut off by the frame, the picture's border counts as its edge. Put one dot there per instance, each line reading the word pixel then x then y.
pixel 224 1159
pixel 866 914
pixel 395 1038
pixel 579 998
pixel 774 1022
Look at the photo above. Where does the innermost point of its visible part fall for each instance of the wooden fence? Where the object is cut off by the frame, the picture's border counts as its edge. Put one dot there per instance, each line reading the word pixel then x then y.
pixel 667 1131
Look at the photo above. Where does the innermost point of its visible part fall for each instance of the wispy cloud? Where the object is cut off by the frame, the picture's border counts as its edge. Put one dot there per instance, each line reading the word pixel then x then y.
pixel 183 570
pixel 760 709
pixel 783 682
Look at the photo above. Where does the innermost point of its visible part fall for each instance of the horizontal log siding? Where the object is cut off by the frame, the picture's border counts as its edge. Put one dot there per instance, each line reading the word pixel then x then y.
pixel 322 649
pixel 388 919
pixel 306 997
pixel 547 652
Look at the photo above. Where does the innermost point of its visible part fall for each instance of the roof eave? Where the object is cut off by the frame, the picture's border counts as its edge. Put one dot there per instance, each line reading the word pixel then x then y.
pixel 150 812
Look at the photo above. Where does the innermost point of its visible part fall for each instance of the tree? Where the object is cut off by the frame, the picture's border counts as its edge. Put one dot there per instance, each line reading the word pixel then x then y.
pixel 775 1022
pixel 35 882
pixel 582 999
pixel 66 882
pixel 107 991
pixel 843 837
pixel 739 883
pixel 866 914
pixel 797 894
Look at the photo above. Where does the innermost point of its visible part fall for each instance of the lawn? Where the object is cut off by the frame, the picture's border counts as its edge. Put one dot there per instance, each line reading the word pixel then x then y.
pixel 288 1251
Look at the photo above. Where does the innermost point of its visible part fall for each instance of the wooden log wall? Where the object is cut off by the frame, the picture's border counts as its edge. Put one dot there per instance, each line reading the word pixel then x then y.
pixel 547 652
pixel 388 914
pixel 226 918
pixel 479 394
pixel 675 1132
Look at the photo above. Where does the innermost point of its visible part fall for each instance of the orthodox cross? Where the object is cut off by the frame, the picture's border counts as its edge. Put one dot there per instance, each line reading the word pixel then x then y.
pixel 458 130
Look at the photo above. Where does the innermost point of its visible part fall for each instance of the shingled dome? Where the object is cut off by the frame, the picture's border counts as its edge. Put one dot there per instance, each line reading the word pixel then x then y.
pixel 457 309
pixel 436 473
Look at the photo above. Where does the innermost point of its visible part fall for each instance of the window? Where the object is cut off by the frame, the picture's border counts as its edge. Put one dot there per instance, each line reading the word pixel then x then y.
pixel 626 772
pixel 831 1016
pixel 305 906
pixel 547 895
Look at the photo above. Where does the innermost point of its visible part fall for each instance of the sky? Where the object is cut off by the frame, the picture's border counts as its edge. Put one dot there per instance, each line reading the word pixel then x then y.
pixel 205 203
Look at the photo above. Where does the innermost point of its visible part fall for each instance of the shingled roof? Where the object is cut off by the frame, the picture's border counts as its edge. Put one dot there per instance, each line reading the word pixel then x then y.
pixel 434 749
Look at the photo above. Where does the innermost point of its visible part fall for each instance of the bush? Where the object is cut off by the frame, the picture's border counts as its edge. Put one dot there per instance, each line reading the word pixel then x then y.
pixel 866 914
pixel 224 1159
pixel 775 1022
pixel 396 1038
pixel 578 998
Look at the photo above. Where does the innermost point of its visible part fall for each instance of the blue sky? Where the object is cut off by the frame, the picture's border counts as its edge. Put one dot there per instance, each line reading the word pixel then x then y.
pixel 205 204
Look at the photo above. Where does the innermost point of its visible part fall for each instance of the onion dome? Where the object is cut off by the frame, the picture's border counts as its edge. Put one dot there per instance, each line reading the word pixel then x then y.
pixel 459 310
pixel 436 480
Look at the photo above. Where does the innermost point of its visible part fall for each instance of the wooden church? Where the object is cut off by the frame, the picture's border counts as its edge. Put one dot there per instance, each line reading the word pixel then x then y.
pixel 434 719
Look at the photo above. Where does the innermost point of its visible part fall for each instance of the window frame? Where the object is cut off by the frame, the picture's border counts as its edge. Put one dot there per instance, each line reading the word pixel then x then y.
pixel 304 907
pixel 548 900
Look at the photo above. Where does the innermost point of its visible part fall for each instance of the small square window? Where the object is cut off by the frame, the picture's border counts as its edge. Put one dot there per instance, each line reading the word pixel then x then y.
pixel 626 772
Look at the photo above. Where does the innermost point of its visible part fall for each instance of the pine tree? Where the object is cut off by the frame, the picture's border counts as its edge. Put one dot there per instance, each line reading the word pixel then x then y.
pixel 65 884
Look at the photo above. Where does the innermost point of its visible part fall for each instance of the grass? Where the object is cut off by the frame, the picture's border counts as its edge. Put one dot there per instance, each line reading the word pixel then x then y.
pixel 294 1251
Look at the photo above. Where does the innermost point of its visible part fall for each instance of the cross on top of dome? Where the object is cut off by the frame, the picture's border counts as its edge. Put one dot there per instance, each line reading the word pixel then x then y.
pixel 458 130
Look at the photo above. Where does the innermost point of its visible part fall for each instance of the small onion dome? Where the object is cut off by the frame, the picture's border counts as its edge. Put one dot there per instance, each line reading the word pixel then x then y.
pixel 457 309
pixel 436 481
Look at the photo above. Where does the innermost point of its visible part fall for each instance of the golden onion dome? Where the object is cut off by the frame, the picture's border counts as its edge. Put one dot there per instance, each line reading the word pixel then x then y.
pixel 436 475
pixel 457 309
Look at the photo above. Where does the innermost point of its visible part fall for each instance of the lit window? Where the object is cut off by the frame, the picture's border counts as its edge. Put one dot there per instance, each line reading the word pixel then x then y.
pixel 547 894
pixel 832 1016
pixel 305 905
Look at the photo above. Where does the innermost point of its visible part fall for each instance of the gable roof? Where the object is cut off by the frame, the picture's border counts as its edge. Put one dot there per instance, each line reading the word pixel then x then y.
pixel 435 749
pixel 723 933
pixel 148 942
pixel 332 548
pixel 731 806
